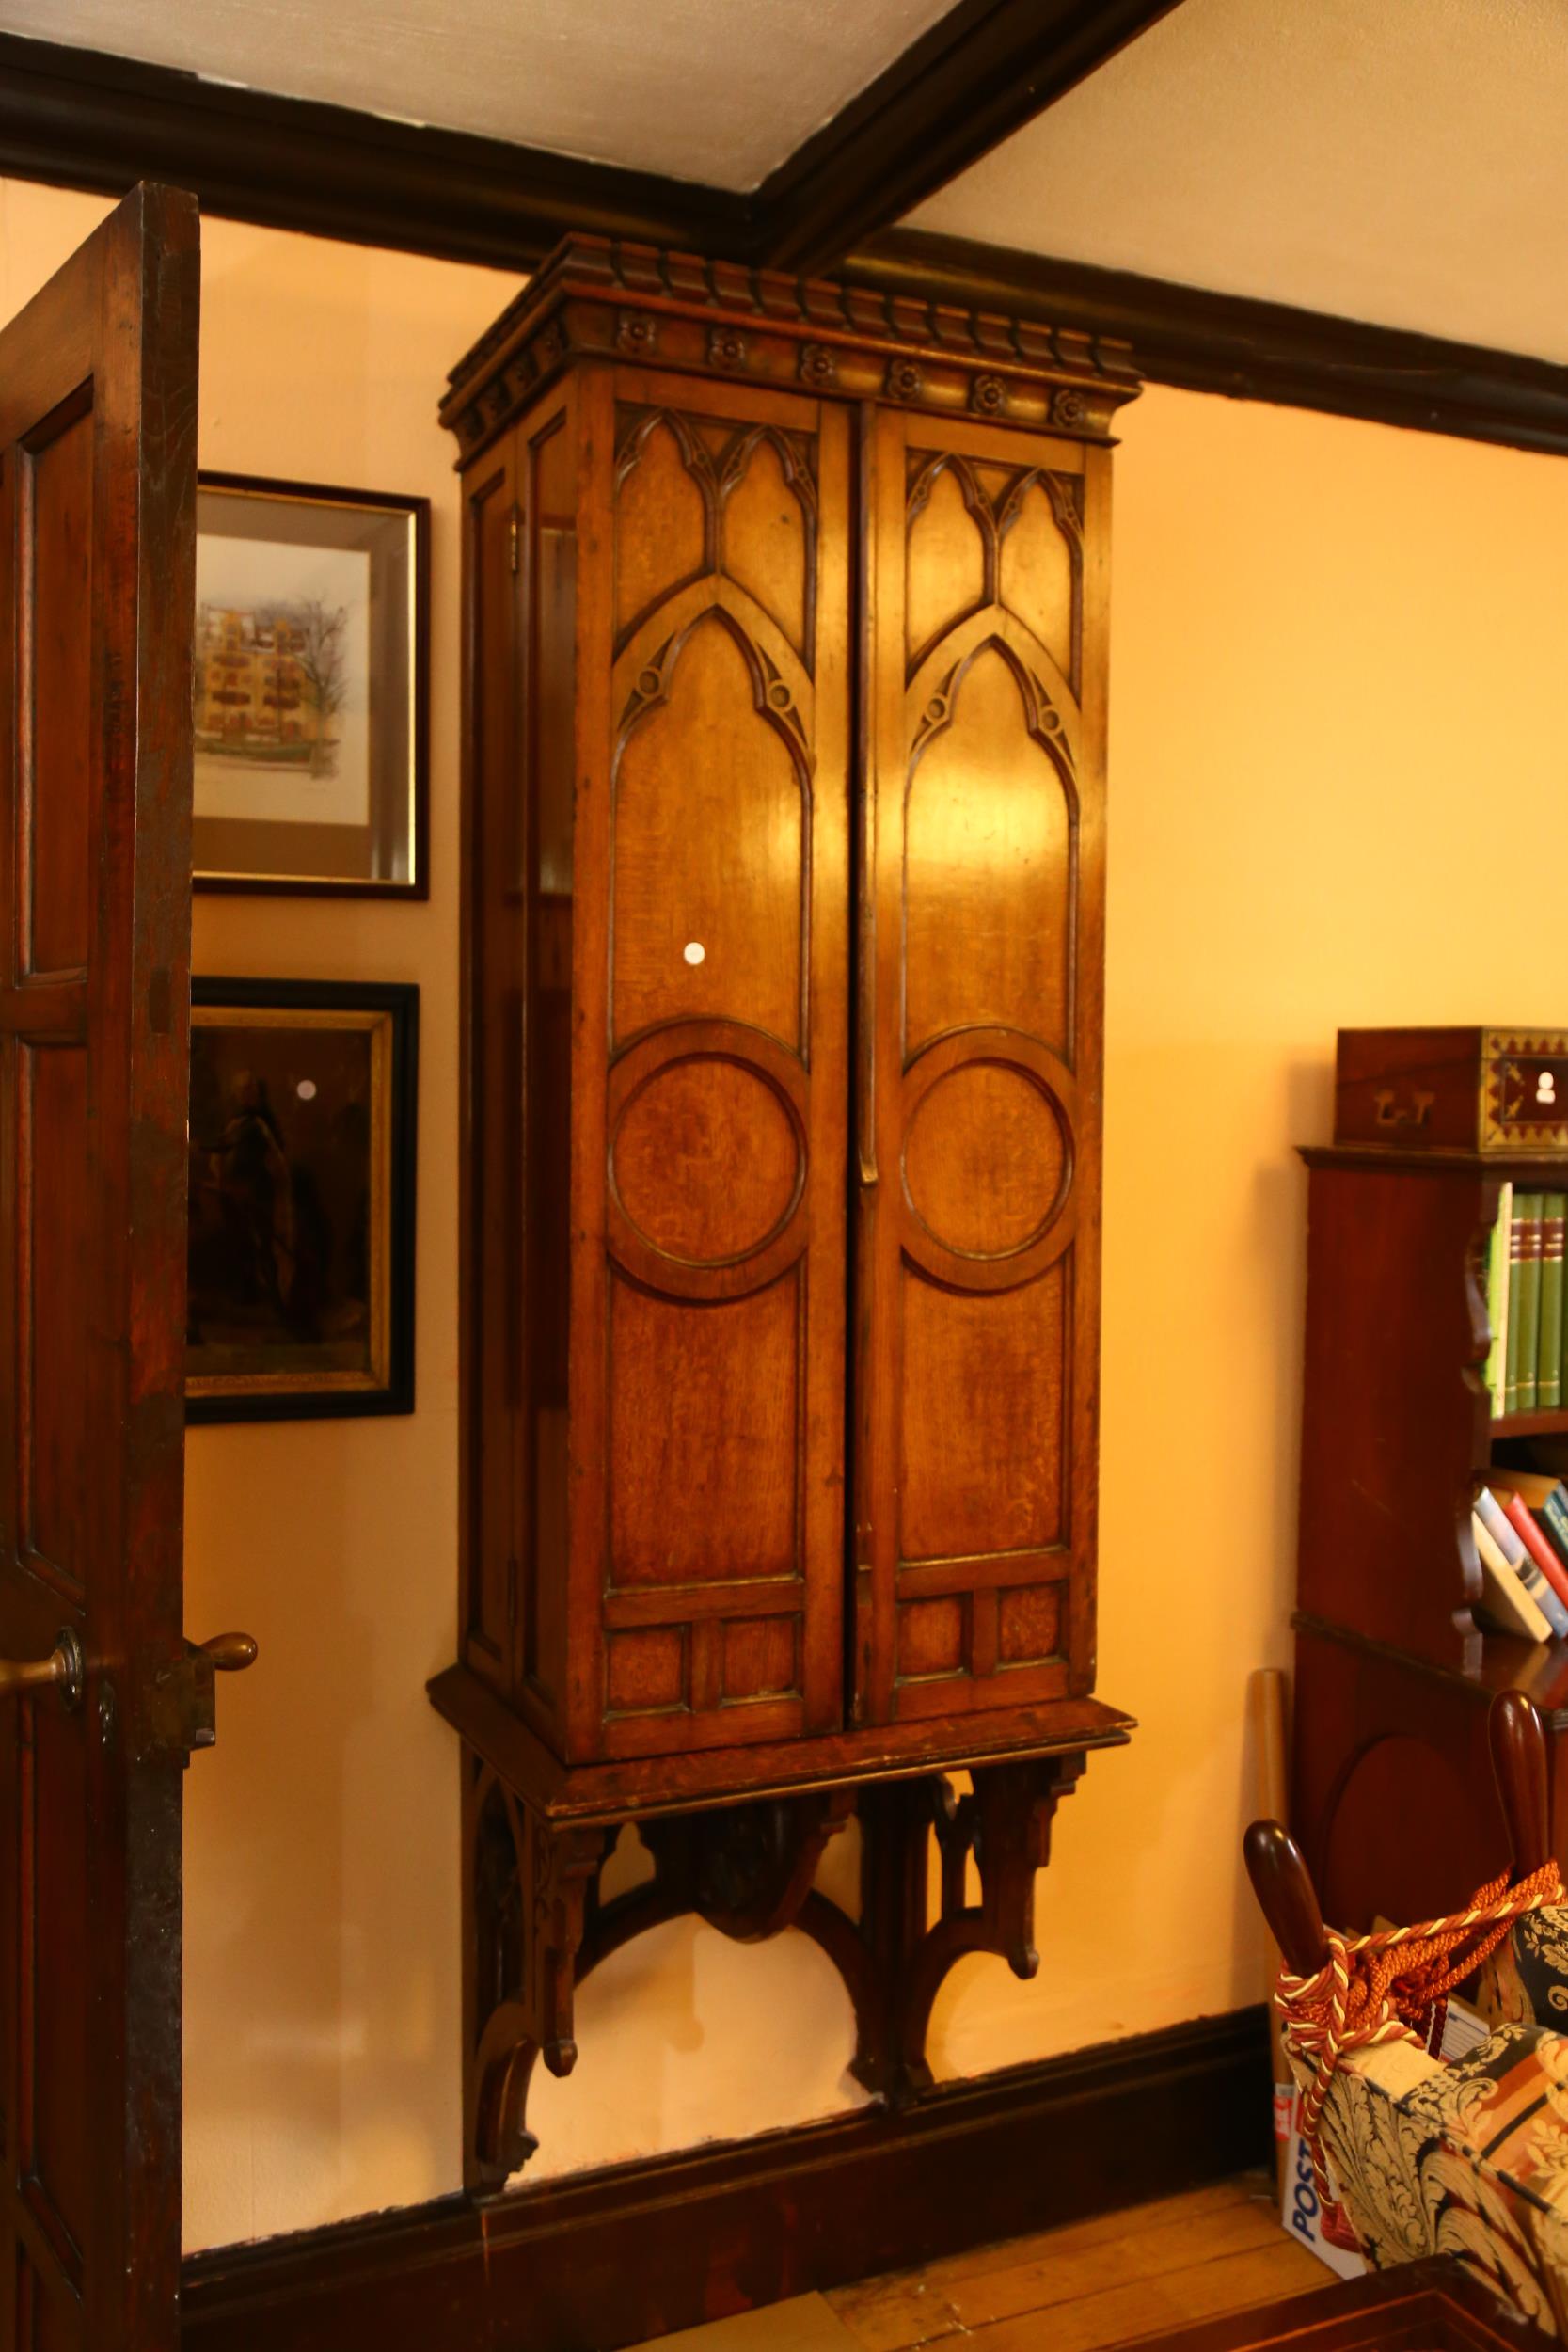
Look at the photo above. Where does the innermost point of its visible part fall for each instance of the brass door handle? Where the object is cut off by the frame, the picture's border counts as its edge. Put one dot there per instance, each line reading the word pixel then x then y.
pixel 181 1695
pixel 230 1653
pixel 64 1669
pixel 61 1671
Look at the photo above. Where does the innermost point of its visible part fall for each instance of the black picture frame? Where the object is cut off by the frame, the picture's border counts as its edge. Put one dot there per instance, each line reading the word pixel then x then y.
pixel 388 1015
pixel 238 856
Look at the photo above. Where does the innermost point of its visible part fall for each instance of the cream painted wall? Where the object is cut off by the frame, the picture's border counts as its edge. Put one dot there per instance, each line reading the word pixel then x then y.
pixel 1337 657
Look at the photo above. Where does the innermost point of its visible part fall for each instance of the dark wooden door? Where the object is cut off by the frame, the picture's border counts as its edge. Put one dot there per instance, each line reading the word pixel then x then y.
pixel 978 1116
pixel 98 381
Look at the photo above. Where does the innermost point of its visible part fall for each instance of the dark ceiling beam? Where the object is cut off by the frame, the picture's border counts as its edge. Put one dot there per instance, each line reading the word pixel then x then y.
pixel 83 120
pixel 982 71
pixel 1250 350
pixel 76 119
pixel 86 119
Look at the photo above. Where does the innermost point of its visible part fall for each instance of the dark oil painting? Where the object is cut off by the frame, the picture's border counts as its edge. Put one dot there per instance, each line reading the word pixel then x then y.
pixel 293 1227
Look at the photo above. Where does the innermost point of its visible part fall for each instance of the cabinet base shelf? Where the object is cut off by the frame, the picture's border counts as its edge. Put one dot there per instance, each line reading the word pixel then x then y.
pixel 642 1787
pixel 1552 1421
pixel 1503 1663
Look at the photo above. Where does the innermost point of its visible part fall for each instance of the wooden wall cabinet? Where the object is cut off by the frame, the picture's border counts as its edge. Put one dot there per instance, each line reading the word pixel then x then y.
pixel 784 893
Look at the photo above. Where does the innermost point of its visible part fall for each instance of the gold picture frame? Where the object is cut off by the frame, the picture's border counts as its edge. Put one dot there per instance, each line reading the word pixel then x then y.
pixel 310 690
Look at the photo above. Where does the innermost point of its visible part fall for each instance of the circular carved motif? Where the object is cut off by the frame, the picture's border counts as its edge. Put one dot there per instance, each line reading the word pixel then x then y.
pixel 987 1160
pixel 706 1160
pixel 636 332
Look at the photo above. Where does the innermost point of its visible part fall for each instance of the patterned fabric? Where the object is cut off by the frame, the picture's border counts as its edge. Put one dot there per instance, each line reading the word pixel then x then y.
pixel 1540 1958
pixel 1468 2159
pixel 1525 1983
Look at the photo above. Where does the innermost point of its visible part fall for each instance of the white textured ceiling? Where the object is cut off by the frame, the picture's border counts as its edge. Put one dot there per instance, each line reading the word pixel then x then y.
pixel 716 91
pixel 1403 161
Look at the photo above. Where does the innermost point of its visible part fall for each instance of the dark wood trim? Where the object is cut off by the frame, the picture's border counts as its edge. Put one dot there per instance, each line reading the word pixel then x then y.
pixel 1431 2306
pixel 81 119
pixel 1249 350
pixel 612 2257
pixel 88 119
pixel 979 73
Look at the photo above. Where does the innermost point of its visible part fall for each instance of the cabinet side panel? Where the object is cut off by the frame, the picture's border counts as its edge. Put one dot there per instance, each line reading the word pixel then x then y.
pixel 494 953
pixel 979 1280
pixel 723 985
pixel 518 899
pixel 548 559
pixel 1395 1414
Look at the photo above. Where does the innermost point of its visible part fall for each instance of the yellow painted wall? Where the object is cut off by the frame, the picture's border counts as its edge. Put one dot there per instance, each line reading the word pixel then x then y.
pixel 1337 657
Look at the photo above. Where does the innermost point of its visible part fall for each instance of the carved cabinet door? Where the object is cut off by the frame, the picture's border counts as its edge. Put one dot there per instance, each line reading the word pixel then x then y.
pixel 710 1116
pixel 98 384
pixel 978 1090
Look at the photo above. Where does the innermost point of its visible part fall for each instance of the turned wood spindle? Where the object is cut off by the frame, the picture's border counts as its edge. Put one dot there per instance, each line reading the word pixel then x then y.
pixel 1518 1744
pixel 1283 1885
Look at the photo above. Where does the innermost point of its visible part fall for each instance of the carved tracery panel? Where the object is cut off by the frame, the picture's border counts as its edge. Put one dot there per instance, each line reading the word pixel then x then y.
pixel 725 1083
pixel 986 890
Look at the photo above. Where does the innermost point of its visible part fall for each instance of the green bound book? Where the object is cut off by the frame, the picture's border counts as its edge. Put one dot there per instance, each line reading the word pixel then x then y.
pixel 1511 1337
pixel 1549 1355
pixel 1526 1295
pixel 1496 1302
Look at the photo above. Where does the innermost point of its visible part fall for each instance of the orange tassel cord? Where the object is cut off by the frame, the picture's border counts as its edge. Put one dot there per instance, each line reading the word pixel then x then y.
pixel 1382 1987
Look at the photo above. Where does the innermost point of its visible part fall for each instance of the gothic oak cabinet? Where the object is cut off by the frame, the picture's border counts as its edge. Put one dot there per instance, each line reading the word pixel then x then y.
pixel 784 893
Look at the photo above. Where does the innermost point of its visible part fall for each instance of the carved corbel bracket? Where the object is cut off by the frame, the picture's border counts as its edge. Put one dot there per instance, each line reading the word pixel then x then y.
pixel 530 1887
pixel 540 1926
pixel 539 1923
pixel 754 1863
pixel 1005 1827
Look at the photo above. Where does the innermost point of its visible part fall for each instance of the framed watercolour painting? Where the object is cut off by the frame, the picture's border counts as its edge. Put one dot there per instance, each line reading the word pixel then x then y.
pixel 311 677
pixel 301 1251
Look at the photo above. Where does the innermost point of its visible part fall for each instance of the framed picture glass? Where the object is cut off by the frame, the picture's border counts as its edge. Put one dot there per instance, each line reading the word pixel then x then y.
pixel 301 1252
pixel 310 673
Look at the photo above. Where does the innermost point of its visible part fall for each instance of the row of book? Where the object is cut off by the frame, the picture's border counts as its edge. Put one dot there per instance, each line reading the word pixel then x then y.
pixel 1523 1303
pixel 1520 1524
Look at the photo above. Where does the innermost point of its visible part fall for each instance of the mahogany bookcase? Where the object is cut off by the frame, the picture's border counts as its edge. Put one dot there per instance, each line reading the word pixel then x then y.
pixel 1393 1797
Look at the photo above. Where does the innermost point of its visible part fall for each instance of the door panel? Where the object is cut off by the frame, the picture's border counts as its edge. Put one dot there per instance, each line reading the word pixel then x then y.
pixel 97 549
pixel 982 891
pixel 712 1305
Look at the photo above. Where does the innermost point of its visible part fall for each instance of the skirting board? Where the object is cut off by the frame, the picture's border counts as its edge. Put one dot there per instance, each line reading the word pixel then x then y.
pixel 609 2258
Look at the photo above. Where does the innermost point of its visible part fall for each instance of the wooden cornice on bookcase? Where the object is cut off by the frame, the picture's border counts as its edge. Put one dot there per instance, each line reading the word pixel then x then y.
pixel 596 295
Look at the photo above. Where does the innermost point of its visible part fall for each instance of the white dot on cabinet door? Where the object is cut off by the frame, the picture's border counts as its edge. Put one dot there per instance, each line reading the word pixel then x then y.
pixel 306 1089
pixel 694 951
